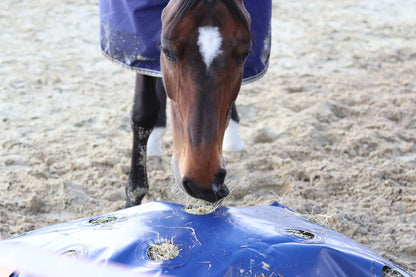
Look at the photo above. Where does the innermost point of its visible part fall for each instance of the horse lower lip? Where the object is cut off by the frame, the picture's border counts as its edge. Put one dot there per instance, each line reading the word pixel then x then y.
pixel 219 188
pixel 218 194
pixel 223 192
pixel 210 195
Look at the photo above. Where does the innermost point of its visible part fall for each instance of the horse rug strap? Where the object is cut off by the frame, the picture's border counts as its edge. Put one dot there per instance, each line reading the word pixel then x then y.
pixel 130 35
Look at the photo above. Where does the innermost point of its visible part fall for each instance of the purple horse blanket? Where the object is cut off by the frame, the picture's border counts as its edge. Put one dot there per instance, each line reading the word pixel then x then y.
pixel 130 35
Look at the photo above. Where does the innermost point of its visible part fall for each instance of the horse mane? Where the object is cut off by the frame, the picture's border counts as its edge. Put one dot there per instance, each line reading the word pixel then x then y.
pixel 186 5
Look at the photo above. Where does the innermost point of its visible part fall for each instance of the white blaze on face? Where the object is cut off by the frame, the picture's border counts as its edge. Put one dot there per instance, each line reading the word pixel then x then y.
pixel 209 42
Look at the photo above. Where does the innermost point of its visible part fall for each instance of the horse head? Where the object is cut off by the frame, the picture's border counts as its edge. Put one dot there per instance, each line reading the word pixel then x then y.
pixel 204 46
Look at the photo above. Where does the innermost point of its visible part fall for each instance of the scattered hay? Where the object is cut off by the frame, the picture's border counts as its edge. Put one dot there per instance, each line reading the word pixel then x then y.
pixel 200 207
pixel 163 251
pixel 71 254
pixel 200 210
pixel 103 219
pixel 327 220
pixel 301 233
pixel 389 272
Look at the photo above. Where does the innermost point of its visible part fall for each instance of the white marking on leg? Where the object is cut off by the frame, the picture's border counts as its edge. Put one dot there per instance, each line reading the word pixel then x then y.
pixel 232 141
pixel 154 144
pixel 209 42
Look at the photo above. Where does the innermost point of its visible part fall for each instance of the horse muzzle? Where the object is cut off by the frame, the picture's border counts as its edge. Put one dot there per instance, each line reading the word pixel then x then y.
pixel 217 191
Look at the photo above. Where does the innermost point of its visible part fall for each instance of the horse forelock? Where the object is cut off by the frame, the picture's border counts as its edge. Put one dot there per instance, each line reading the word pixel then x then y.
pixel 184 6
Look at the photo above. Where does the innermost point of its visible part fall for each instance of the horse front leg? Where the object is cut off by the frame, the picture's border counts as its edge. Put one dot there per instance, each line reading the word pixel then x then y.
pixel 232 142
pixel 154 144
pixel 143 119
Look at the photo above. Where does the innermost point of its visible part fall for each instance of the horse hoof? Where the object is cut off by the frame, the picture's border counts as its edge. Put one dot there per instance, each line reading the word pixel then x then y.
pixel 135 191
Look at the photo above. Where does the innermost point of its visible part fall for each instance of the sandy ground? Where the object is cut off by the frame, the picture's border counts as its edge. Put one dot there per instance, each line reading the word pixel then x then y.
pixel 330 130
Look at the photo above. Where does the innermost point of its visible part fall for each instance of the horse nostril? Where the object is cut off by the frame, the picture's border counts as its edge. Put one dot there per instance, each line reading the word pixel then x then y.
pixel 220 176
pixel 187 184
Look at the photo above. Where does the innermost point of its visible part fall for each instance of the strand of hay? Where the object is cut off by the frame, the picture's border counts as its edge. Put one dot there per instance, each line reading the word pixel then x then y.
pixel 326 220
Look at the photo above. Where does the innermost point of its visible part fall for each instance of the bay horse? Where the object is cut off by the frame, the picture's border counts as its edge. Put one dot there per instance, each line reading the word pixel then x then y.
pixel 204 45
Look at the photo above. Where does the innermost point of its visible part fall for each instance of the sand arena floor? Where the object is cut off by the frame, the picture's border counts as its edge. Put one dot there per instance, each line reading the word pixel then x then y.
pixel 330 130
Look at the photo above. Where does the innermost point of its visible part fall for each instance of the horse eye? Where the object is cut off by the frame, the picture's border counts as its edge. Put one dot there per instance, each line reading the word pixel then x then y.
pixel 169 54
pixel 242 58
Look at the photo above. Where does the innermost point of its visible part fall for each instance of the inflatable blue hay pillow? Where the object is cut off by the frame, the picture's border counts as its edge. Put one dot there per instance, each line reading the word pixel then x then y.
pixel 230 241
